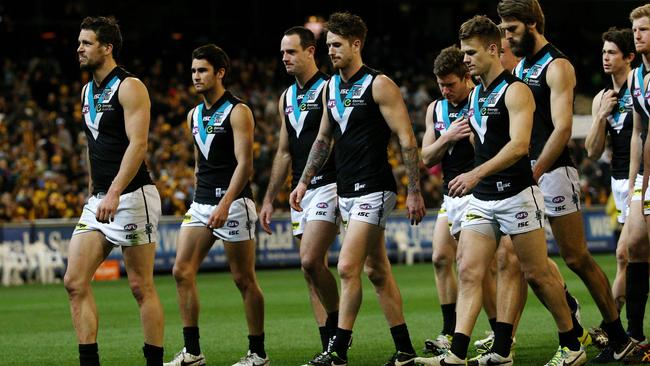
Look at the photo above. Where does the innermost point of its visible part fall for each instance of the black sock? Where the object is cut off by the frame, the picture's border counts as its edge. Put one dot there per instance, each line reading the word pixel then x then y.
pixel 459 345
pixel 493 324
pixel 342 342
pixel 636 290
pixel 191 337
pixel 577 328
pixel 502 338
pixel 402 339
pixel 448 318
pixel 88 354
pixel 256 344
pixel 573 304
pixel 331 323
pixel 324 337
pixel 153 354
pixel 569 340
pixel 616 333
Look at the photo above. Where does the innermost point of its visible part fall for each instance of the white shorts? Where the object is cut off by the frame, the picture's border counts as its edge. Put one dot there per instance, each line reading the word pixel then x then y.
pixel 518 214
pixel 620 191
pixel 373 208
pixel 318 204
pixel 136 219
pixel 453 208
pixel 561 189
pixel 240 225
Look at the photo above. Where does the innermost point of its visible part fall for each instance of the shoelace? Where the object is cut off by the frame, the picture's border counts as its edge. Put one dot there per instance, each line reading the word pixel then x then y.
pixel 559 355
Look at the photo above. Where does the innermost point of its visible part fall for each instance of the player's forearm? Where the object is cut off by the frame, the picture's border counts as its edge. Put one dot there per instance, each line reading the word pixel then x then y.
pixel 131 162
pixel 509 154
pixel 635 153
pixel 595 141
pixel 318 154
pixel 411 160
pixel 553 149
pixel 433 154
pixel 279 172
pixel 240 177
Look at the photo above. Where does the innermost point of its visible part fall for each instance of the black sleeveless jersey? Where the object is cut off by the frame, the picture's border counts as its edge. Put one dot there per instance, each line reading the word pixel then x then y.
pixel 532 70
pixel 639 97
pixel 619 128
pixel 490 122
pixel 106 133
pixel 213 138
pixel 361 136
pixel 303 109
pixel 459 157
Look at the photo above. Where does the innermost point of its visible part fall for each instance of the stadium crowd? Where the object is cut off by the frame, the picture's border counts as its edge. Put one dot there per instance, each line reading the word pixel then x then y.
pixel 43 149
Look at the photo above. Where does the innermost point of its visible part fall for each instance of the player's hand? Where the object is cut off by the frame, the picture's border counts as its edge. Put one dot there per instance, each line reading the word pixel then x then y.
pixel 463 184
pixel 296 196
pixel 265 217
pixel 608 102
pixel 458 129
pixel 415 207
pixel 219 215
pixel 107 208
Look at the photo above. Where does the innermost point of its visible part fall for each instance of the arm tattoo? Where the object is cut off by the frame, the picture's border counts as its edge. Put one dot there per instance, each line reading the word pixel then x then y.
pixel 411 161
pixel 317 157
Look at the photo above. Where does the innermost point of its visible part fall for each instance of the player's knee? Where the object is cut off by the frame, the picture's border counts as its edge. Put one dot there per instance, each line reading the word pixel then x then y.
pixel 138 290
pixel 376 275
pixel 507 262
pixel 637 252
pixel 578 261
pixel 310 265
pixel 535 277
pixel 348 270
pixel 182 273
pixel 243 281
pixel 469 275
pixel 621 256
pixel 441 261
pixel 73 285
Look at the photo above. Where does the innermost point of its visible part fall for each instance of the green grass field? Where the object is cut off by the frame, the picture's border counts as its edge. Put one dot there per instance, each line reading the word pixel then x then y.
pixel 35 325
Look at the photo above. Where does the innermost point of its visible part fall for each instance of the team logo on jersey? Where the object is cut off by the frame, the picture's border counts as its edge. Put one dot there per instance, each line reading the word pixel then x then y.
pixel 148 228
pixel 439 126
pixel 322 205
pixel 85 109
pixel 470 113
pixel 310 96
pixel 636 92
pixel 195 130
pixel 521 215
pixel 558 199
pixel 331 103
pixel 288 110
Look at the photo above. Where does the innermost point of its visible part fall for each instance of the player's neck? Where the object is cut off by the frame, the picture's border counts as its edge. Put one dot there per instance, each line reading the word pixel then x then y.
pixel 349 71
pixel 211 97
pixel 645 58
pixel 304 77
pixel 102 71
pixel 491 74
pixel 619 78
pixel 463 97
pixel 540 42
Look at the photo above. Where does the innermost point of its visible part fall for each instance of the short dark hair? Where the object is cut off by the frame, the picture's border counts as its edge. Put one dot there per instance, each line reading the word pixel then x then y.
pixel 107 31
pixel 215 57
pixel 526 11
pixel 348 26
pixel 622 37
pixel 482 27
pixel 450 61
pixel 307 38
